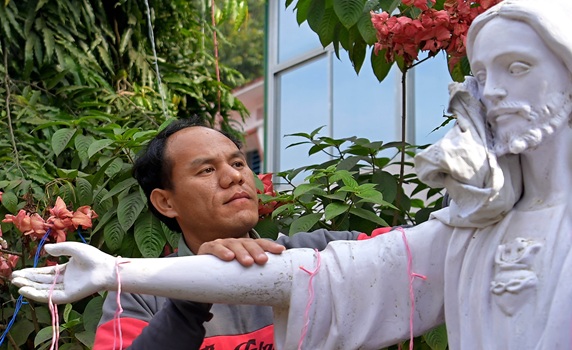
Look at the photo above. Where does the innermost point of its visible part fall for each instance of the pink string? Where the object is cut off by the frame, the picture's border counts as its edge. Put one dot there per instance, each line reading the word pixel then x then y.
pixel 310 298
pixel 54 313
pixel 412 276
pixel 119 309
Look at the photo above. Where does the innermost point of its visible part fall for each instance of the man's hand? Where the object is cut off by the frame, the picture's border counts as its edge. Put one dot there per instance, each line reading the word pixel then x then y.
pixel 88 271
pixel 246 251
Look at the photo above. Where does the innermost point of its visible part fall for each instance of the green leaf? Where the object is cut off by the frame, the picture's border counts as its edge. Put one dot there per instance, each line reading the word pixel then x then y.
pixel 84 191
pixel 129 208
pixel 358 55
pixel 67 311
pixel 171 236
pixel 97 146
pixel 366 29
pixel 308 188
pixel 92 314
pixel 380 65
pixel 348 11
pixel 327 26
pixel 44 335
pixel 61 138
pixel 267 228
pixel 120 187
pixel 125 40
pixel 101 205
pixel 29 54
pixel 115 167
pixel 389 5
pixel 81 143
pixel 149 236
pixel 87 338
pixel 437 338
pixel 315 14
pixel 334 209
pixel 368 215
pixel 48 36
pixel 304 223
pixel 10 201
pixel 113 234
pixel 302 8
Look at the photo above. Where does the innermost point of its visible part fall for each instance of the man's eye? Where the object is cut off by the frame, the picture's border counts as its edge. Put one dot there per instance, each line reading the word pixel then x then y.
pixel 239 164
pixel 518 68
pixel 207 170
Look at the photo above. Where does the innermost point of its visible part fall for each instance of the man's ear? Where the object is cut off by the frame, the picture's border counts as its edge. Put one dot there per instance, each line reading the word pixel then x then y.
pixel 161 200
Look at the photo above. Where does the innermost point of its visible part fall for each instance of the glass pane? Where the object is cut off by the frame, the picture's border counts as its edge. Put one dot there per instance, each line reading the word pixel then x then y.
pixel 303 107
pixel 431 99
pixel 363 107
pixel 293 40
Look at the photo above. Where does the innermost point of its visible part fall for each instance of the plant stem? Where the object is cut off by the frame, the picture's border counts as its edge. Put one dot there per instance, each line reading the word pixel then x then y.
pixel 403 135
pixel 5 251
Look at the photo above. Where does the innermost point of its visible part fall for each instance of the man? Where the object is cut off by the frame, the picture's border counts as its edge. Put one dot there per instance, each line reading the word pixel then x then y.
pixel 496 263
pixel 198 183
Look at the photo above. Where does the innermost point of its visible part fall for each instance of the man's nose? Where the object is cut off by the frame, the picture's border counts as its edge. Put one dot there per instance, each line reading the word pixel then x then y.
pixel 231 176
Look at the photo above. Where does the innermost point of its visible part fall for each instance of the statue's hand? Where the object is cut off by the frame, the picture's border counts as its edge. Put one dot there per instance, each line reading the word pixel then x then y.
pixel 246 251
pixel 88 271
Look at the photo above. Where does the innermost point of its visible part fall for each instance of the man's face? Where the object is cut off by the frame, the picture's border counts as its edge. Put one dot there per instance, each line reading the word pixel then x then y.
pixel 213 194
pixel 523 85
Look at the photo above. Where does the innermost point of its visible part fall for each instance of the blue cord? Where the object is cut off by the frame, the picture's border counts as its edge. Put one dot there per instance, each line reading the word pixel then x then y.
pixel 20 301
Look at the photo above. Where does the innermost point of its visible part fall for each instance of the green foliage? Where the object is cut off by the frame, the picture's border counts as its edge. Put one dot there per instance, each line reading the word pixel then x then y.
pixel 79 97
pixel 355 189
pixel 346 23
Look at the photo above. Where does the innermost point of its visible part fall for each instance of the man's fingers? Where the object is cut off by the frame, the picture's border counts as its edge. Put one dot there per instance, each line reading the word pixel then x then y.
pixel 218 249
pixel 245 250
pixel 270 246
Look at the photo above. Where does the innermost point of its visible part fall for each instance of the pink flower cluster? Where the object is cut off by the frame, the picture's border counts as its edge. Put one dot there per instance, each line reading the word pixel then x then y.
pixel 432 30
pixel 60 221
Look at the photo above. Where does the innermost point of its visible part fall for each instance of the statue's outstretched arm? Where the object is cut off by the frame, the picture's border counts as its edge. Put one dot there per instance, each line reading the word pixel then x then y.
pixel 197 278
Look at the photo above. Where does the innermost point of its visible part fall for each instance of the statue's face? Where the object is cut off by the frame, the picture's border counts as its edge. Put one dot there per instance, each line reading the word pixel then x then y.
pixel 523 85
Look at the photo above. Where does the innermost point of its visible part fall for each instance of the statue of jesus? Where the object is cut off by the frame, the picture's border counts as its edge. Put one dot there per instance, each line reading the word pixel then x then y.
pixel 496 263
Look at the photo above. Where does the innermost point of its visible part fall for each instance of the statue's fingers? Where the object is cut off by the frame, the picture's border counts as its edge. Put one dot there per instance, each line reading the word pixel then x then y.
pixel 26 282
pixel 41 278
pixel 32 273
pixel 58 295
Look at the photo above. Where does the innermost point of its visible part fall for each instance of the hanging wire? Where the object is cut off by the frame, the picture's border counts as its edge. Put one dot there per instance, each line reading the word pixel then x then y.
pixel 152 38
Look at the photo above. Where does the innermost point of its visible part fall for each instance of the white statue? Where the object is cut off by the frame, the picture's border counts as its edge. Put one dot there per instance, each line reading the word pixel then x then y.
pixel 497 262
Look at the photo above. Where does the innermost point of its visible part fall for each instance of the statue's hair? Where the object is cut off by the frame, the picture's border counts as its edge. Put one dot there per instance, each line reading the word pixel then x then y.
pixel 550 19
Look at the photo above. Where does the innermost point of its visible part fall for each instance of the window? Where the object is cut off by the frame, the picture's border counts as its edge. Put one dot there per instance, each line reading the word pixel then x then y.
pixel 308 87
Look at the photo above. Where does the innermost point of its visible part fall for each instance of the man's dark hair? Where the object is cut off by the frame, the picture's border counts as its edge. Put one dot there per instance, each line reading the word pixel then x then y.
pixel 153 170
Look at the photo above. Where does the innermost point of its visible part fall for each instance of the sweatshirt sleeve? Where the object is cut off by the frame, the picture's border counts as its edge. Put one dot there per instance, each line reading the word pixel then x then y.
pixel 178 325
pixel 138 310
pixel 318 239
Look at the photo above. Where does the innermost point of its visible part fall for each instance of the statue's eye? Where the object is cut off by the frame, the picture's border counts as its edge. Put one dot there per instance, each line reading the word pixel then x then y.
pixel 481 76
pixel 518 68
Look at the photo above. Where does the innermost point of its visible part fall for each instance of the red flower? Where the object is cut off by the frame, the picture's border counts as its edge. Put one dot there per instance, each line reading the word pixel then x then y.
pixel 267 208
pixel 83 217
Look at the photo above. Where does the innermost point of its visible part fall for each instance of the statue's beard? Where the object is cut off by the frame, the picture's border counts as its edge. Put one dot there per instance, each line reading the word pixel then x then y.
pixel 544 121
